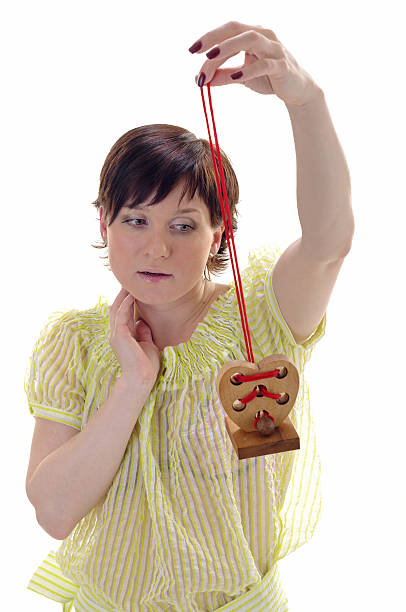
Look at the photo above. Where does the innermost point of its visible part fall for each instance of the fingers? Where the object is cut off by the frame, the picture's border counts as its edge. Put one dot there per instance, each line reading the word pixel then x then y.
pixel 127 308
pixel 228 40
pixel 222 77
pixel 116 304
pixel 136 313
pixel 121 311
pixel 251 42
pixel 143 332
pixel 218 35
pixel 227 30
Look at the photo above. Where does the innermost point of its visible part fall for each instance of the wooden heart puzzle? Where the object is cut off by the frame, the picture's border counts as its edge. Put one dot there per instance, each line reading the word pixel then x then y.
pixel 258 398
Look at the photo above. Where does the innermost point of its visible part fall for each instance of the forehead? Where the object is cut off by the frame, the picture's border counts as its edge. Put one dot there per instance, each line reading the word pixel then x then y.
pixel 179 208
pixel 196 205
pixel 172 203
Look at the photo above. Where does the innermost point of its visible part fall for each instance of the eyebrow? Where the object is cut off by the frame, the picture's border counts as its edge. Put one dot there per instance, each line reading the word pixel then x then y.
pixel 182 210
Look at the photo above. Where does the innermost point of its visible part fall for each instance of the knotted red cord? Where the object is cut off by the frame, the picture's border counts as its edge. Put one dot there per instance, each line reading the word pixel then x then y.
pixel 228 226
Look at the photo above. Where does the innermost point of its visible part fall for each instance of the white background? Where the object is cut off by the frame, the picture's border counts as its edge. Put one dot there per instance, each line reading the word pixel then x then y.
pixel 76 76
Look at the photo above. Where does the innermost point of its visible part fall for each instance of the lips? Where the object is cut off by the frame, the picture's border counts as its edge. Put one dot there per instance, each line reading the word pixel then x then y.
pixel 153 272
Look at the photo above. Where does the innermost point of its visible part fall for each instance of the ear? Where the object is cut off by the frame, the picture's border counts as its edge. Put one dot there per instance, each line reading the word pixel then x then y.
pixel 215 245
pixel 103 227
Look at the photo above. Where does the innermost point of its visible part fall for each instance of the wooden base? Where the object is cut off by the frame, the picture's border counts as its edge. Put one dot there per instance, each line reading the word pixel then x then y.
pixel 252 444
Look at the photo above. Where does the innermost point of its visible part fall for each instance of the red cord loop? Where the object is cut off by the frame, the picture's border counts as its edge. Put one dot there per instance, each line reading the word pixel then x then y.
pixel 228 227
pixel 247 378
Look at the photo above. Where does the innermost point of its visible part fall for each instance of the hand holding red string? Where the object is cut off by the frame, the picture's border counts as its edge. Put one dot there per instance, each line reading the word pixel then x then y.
pixel 268 67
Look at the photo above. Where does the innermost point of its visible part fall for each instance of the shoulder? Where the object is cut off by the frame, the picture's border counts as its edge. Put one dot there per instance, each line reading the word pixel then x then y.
pixel 74 325
pixel 261 261
pixel 220 289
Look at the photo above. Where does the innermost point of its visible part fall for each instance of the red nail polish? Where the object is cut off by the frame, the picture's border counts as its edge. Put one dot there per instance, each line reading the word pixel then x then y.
pixel 196 46
pixel 202 79
pixel 213 53
pixel 236 75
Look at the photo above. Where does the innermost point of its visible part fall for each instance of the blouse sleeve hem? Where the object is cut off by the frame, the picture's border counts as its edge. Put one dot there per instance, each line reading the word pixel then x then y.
pixel 314 337
pixel 51 414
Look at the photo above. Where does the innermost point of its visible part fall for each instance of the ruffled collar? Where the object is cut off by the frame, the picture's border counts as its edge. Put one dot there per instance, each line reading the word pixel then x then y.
pixel 215 340
pixel 210 343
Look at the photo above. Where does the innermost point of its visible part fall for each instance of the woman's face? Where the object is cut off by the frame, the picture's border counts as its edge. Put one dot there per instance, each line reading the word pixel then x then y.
pixel 162 238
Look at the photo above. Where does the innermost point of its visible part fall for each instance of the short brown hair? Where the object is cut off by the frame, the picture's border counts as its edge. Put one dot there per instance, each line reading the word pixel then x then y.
pixel 154 159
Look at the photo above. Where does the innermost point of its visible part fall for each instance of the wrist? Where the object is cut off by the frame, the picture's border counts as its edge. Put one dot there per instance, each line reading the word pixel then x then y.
pixel 314 99
pixel 133 384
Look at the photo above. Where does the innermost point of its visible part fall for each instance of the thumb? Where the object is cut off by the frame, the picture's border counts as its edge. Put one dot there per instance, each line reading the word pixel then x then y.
pixel 142 332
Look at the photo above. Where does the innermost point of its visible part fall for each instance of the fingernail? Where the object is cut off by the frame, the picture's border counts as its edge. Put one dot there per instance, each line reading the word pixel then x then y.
pixel 202 79
pixel 236 75
pixel 213 53
pixel 196 47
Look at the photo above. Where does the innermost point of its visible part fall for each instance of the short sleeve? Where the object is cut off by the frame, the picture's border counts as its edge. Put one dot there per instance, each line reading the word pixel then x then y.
pixel 53 379
pixel 262 262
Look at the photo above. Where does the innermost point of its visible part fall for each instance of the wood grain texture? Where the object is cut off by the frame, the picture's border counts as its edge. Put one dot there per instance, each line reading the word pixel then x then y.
pixel 252 444
pixel 229 392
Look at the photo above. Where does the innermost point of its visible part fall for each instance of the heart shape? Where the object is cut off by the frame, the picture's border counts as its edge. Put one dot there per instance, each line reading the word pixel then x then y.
pixel 231 390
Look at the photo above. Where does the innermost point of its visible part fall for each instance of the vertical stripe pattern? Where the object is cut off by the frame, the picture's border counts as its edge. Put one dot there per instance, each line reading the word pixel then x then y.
pixel 185 525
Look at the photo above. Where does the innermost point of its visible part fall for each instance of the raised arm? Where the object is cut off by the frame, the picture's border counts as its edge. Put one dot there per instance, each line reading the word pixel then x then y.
pixel 305 274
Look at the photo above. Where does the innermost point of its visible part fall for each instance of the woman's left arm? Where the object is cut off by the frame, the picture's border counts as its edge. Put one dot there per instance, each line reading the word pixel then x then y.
pixel 323 181
pixel 304 276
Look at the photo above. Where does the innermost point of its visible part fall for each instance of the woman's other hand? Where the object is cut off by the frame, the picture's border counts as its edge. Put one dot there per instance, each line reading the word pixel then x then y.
pixel 268 67
pixel 132 343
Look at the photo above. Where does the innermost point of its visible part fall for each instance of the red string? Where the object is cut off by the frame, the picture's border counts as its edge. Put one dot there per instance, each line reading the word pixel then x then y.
pixel 241 378
pixel 227 227
pixel 263 390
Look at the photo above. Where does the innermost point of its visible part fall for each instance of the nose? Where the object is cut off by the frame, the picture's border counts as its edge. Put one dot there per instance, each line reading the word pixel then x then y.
pixel 156 245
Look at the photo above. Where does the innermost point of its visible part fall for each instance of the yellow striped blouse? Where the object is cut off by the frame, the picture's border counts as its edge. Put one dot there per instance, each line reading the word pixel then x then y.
pixel 185 525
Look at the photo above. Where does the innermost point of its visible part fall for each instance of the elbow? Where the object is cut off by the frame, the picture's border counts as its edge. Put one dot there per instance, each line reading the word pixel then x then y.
pixel 49 521
pixel 346 242
pixel 349 243
pixel 54 528
pixel 346 233
pixel 350 238
pixel 346 249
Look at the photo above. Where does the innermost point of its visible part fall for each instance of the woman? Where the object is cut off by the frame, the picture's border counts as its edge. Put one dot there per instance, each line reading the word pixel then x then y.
pixel 131 465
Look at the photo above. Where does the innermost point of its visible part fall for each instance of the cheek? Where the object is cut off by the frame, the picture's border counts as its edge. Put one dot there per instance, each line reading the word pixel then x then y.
pixel 120 251
pixel 121 243
pixel 194 256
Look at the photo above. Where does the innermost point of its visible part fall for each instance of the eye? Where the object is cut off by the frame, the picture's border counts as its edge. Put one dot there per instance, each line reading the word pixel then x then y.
pixel 183 226
pixel 129 221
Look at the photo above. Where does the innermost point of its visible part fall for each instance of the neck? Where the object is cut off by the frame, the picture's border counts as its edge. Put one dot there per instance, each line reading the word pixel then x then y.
pixel 174 322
